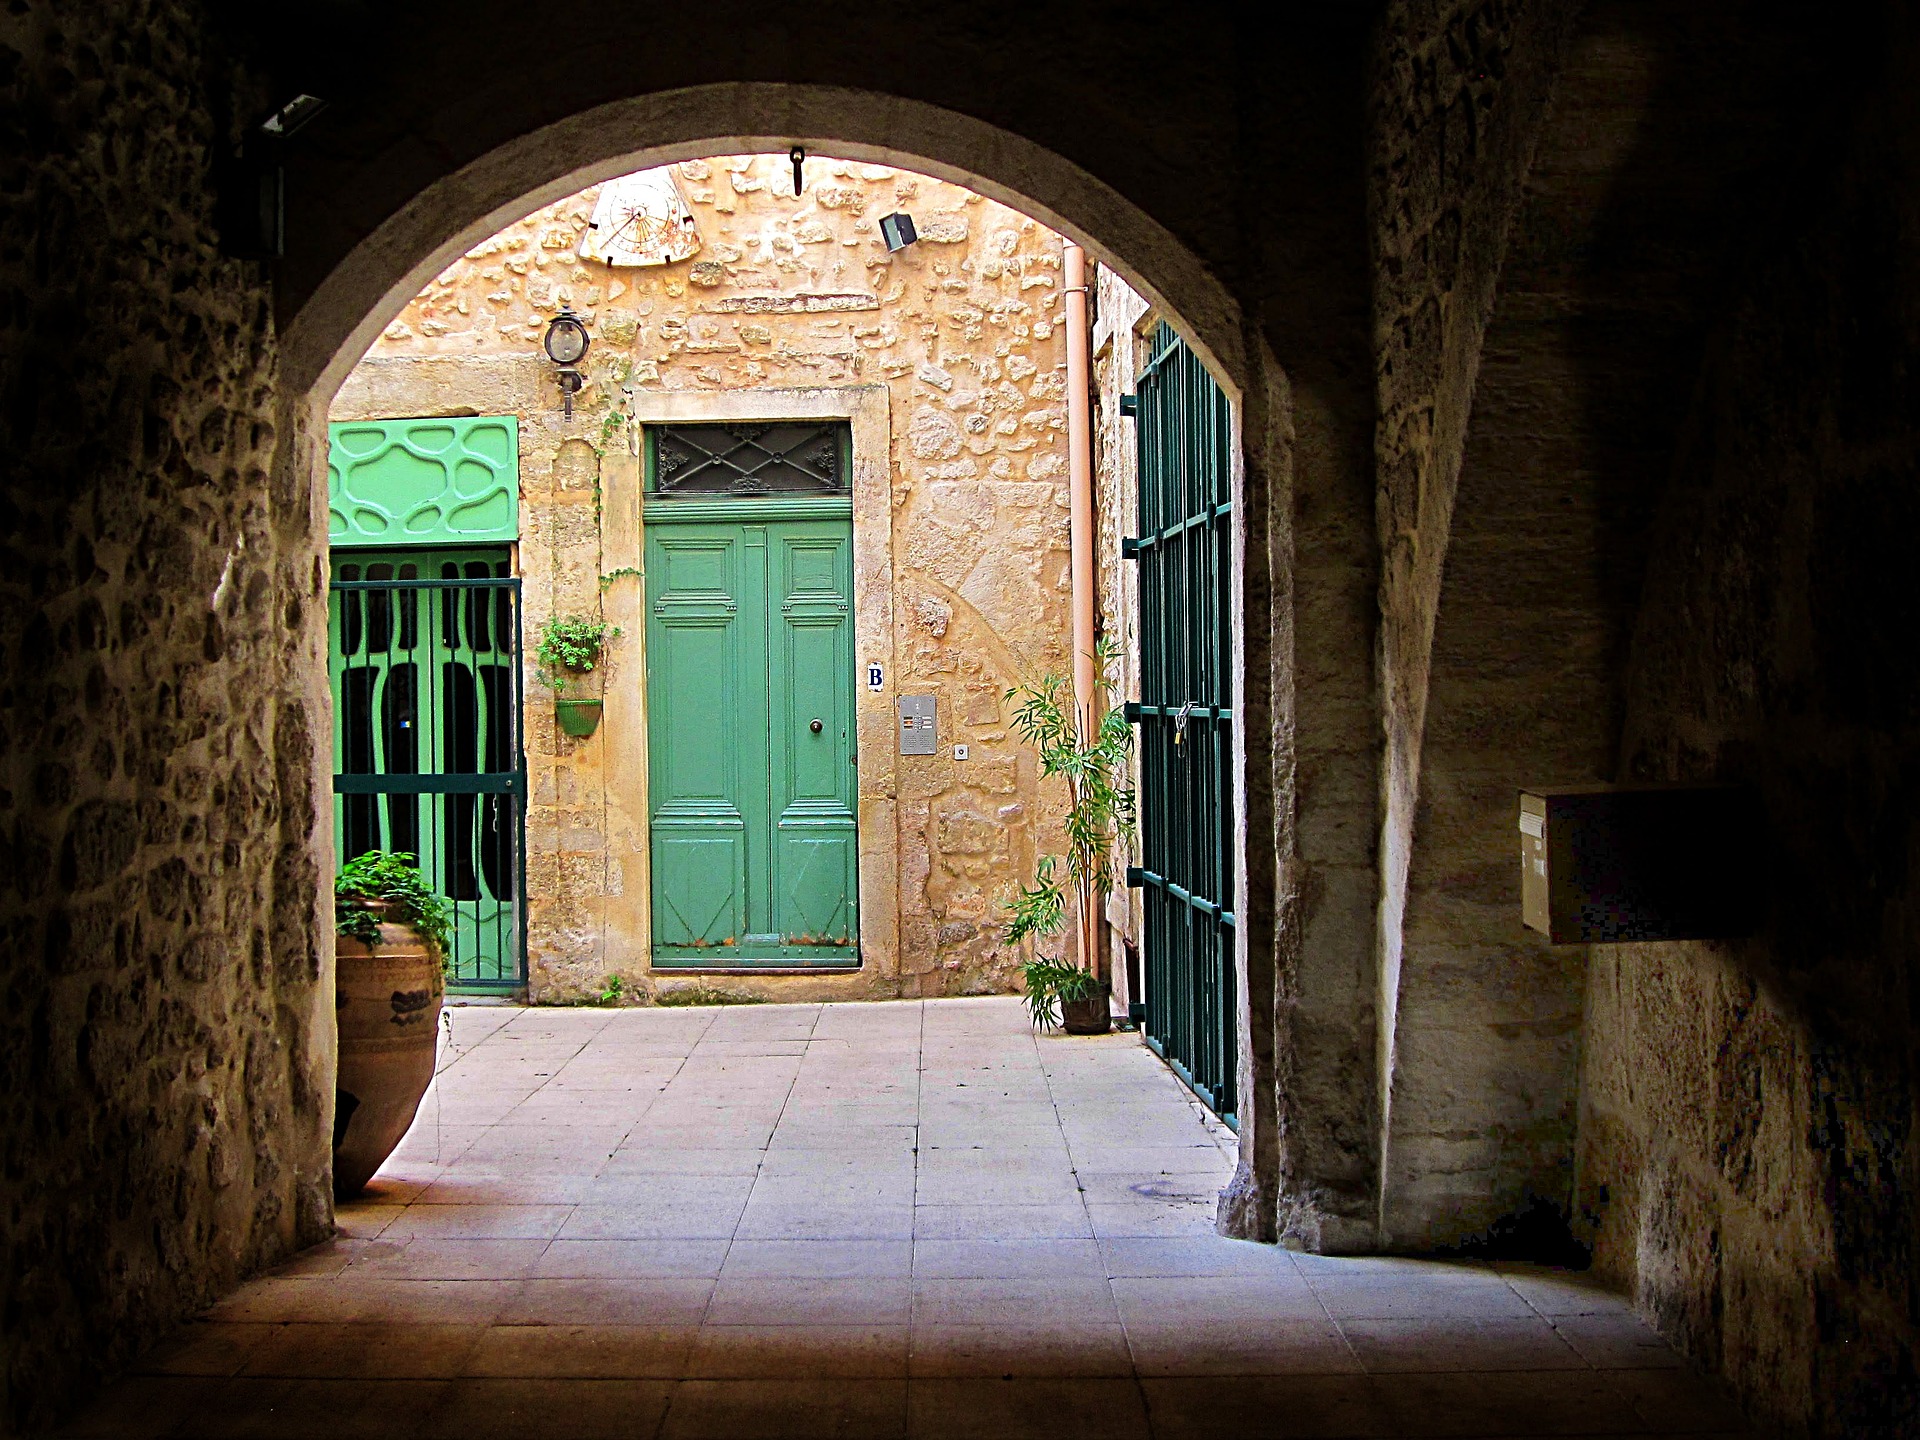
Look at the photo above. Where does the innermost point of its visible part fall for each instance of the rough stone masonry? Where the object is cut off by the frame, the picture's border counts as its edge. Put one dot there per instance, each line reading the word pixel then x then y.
pixel 164 1100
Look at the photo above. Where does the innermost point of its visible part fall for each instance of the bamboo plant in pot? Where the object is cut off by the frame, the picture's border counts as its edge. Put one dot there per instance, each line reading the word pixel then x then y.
pixel 392 944
pixel 1090 756
pixel 570 650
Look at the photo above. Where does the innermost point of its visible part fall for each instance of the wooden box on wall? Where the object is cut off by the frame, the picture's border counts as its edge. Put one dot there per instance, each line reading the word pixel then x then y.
pixel 1602 864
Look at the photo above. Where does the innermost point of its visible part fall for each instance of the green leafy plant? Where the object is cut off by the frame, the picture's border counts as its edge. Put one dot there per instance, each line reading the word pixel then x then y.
pixel 391 877
pixel 1049 984
pixel 611 992
pixel 571 645
pixel 1091 758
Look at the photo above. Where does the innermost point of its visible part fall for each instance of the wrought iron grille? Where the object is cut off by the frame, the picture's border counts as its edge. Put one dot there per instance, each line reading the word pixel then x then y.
pixel 777 458
pixel 1184 551
pixel 425 659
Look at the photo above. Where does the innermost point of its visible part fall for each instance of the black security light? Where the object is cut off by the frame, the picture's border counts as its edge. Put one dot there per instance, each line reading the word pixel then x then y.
pixel 251 183
pixel 897 230
pixel 566 345
pixel 292 116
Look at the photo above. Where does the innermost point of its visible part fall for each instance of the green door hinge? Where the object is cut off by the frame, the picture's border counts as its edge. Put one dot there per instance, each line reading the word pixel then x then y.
pixel 1129 404
pixel 1136 877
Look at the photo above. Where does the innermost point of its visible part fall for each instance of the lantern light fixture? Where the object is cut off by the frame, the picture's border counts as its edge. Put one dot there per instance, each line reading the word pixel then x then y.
pixel 566 345
pixel 897 230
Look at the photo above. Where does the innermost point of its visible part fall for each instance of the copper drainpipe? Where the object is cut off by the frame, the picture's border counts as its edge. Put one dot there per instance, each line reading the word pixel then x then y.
pixel 1080 523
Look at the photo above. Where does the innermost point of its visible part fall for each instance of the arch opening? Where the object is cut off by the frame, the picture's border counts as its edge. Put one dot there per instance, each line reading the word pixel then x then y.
pixel 411 263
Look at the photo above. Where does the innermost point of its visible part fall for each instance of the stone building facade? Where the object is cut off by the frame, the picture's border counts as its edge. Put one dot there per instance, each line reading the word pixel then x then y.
pixel 947 363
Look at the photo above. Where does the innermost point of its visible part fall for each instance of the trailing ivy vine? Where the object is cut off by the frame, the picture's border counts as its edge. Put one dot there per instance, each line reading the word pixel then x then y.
pixel 392 877
pixel 571 645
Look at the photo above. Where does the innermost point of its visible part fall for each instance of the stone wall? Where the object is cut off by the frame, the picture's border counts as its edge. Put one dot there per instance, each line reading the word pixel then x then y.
pixel 1747 1128
pixel 1458 100
pixel 788 297
pixel 165 1063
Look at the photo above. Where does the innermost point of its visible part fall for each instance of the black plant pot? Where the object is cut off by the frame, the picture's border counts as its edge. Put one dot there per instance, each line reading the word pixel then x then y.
pixel 1092 1015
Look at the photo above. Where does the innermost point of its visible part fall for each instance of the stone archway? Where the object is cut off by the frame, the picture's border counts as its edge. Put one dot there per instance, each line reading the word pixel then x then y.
pixel 358 297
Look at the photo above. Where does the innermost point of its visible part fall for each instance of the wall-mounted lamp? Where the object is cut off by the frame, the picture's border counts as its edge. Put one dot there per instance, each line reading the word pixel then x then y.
pixel 251 183
pixel 566 345
pixel 897 230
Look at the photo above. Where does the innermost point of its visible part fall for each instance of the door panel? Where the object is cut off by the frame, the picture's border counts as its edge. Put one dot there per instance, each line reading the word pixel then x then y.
pixel 699 881
pixel 815 900
pixel 701 655
pixel 1184 552
pixel 424 650
pixel 815 860
pixel 750 642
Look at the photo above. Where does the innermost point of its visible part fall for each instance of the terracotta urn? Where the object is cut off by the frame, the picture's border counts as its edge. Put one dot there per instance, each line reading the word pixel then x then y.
pixel 387 1001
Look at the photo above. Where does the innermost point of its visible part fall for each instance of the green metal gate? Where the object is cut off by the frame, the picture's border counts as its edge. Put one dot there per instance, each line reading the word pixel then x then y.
pixel 425 662
pixel 1184 551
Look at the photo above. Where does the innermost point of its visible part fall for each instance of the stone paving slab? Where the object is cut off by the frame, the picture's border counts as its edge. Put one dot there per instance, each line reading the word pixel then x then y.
pixel 905 1219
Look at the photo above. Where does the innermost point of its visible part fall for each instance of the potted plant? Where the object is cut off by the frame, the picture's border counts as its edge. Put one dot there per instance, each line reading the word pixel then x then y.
pixel 392 942
pixel 570 647
pixel 1091 758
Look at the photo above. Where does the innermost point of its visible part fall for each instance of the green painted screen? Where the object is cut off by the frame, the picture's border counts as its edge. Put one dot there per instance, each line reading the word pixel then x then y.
pixel 441 481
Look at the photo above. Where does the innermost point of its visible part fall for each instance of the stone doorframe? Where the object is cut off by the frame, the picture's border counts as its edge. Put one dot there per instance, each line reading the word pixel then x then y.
pixel 868 411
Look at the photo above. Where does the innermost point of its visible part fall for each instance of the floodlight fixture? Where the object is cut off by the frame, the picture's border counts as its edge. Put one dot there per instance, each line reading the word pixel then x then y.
pixel 897 230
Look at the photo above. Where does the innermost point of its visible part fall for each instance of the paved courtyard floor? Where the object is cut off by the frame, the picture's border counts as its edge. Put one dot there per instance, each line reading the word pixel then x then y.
pixel 902 1219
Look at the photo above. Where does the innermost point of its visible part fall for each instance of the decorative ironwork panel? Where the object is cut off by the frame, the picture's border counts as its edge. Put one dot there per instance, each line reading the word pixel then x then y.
pixel 786 457
pixel 1185 430
pixel 441 481
pixel 424 654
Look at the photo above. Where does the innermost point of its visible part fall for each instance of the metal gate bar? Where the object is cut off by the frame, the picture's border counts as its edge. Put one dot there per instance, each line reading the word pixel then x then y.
pixel 1184 551
pixel 427 745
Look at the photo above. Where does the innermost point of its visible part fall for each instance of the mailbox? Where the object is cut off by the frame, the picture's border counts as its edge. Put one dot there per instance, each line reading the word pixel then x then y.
pixel 1601 864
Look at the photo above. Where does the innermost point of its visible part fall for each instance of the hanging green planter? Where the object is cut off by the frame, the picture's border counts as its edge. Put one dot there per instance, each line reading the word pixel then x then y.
pixel 570 647
pixel 578 718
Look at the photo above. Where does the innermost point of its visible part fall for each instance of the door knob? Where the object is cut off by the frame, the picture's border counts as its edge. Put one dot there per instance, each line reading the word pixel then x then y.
pixel 814 726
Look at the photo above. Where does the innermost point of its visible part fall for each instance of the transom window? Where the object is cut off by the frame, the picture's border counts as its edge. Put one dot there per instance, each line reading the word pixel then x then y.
pixel 782 457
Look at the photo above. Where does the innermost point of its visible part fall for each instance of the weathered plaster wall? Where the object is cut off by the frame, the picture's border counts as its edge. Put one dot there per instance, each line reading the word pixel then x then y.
pixel 962 331
pixel 165 1087
pixel 1747 1126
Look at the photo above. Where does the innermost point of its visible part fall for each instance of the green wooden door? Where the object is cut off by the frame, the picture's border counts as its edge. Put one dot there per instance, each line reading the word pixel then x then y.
pixel 750 732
